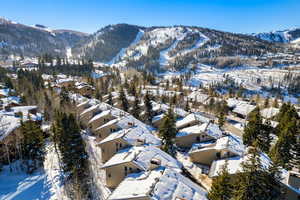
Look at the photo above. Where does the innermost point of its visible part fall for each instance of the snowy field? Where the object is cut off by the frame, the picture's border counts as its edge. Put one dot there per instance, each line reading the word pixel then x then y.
pixel 44 184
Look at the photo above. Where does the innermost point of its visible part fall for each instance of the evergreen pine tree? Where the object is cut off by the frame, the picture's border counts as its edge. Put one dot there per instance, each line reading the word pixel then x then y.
pixel 222 186
pixel 221 119
pixel 266 103
pixel 275 103
pixel 67 139
pixel 110 100
pixel 256 131
pixel 255 182
pixel 286 114
pixel 187 106
pixel 148 108
pixel 64 97
pixel 124 101
pixel 282 152
pixel 32 143
pixel 167 131
pixel 136 111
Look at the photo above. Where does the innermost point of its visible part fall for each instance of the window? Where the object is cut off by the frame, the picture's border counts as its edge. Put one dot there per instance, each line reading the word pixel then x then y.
pixel 198 139
pixel 109 175
pixel 125 168
pixel 120 145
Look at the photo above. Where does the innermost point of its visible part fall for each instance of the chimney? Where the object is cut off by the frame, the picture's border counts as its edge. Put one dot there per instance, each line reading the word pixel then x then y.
pixel 154 163
pixel 140 142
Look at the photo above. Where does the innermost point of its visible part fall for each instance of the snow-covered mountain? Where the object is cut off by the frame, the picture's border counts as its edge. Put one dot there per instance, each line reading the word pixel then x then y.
pixel 107 42
pixel 154 48
pixel 19 39
pixel 286 36
pixel 173 47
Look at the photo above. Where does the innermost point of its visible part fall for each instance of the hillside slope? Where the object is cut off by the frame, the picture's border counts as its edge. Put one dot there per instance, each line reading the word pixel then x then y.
pixel 286 36
pixel 19 39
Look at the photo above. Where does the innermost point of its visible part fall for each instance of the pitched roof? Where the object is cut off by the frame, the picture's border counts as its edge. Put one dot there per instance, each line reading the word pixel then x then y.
pixel 141 156
pixel 269 112
pixel 132 135
pixel 210 129
pixel 160 184
pixel 198 96
pixel 244 109
pixel 190 118
pixel 234 163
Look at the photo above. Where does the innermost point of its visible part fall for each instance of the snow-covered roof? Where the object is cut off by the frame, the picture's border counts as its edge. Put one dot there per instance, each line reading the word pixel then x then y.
pixel 198 96
pixel 9 121
pixel 113 94
pixel 158 117
pixel 89 101
pixel 191 118
pixel 234 164
pixel 64 80
pixel 124 122
pixel 159 184
pixel 133 135
pixel 142 156
pixel 180 112
pixel 5 92
pixel 233 102
pixel 92 108
pixel 159 106
pixel 23 109
pixel 11 99
pixel 111 122
pixel 243 109
pixel 84 86
pixel 77 98
pixel 61 76
pixel 210 129
pixel 231 143
pixel 100 115
pixel 164 107
pixel 47 77
pixel 269 112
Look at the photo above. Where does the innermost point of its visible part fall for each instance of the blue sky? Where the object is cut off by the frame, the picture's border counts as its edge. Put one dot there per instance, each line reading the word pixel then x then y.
pixel 244 16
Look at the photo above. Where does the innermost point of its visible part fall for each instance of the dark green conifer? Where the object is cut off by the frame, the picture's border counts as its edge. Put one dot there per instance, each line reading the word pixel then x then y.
pixel 256 131
pixel 222 186
pixel 167 131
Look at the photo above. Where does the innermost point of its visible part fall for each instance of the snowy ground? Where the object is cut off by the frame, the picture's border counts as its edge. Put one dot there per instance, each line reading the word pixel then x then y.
pixel 94 153
pixel 253 79
pixel 42 185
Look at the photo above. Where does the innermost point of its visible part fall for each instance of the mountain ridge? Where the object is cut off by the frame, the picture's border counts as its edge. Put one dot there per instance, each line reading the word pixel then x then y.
pixel 157 47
